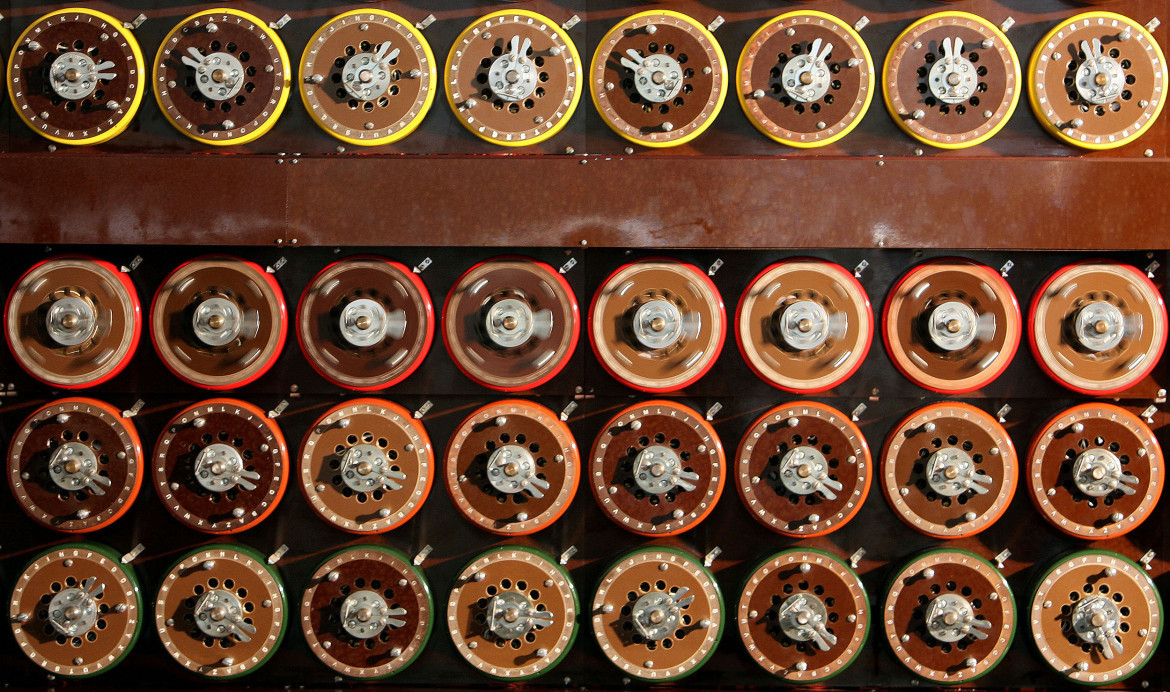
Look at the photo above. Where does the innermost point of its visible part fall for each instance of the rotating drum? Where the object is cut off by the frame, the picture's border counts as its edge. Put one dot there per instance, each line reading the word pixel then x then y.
pixel 367 612
pixel 803 469
pixel 221 77
pixel 512 613
pixel 75 465
pixel 75 76
pixel 657 326
pixel 659 78
pixel 220 466
pixel 73 322
pixel 218 322
pixel 949 470
pixel 368 77
pixel 657 468
pixel 803 616
pixel 806 79
pixel 1098 328
pixel 1096 617
pixel 1095 471
pixel 366 466
pixel 221 611
pixel 658 614
pixel 365 323
pixel 949 616
pixel 511 324
pixel 513 78
pixel 952 80
pixel 1097 80
pixel 952 326
pixel 76 610
pixel 804 326
pixel 512 467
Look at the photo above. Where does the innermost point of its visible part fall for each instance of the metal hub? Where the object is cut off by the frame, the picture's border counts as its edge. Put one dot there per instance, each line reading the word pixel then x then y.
pixel 953 325
pixel 366 468
pixel 219 76
pixel 1099 327
pixel 806 77
pixel 512 469
pixel 658 324
pixel 1100 78
pixel 1097 620
pixel 219 614
pixel 511 615
pixel 217 322
pixel 659 469
pixel 804 325
pixel 75 76
pixel 71 321
pixel 658 78
pixel 1097 472
pixel 804 471
pixel 73 466
pixel 949 618
pixel 219 468
pixel 365 323
pixel 802 618
pixel 73 612
pixel 510 323
pixel 513 76
pixel 367 76
pixel 950 472
pixel 365 614
pixel 657 614
pixel 953 78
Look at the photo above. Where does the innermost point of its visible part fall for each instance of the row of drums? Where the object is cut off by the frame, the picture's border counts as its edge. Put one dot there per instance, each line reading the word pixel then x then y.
pixel 657 614
pixel 511 324
pixel 658 79
pixel 657 468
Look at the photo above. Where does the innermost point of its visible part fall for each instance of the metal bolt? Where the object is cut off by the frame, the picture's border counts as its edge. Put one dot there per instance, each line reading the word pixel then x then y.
pixel 928 573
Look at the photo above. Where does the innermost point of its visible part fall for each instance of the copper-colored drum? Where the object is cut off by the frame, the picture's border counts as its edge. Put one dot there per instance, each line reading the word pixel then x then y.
pixel 75 465
pixel 803 469
pixel 949 470
pixel 1095 471
pixel 803 616
pixel 367 612
pixel 512 613
pixel 512 467
pixel 220 466
pixel 657 468
pixel 658 614
pixel 366 466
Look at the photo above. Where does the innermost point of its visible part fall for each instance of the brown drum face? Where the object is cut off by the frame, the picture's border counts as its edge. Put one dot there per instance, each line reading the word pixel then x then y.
pixel 513 613
pixel 658 614
pixel 949 470
pixel 218 323
pixel 75 465
pixel 221 611
pixel 511 324
pixel 657 469
pixel 222 77
pixel 512 467
pixel 803 616
pixel 75 76
pixel 73 322
pixel 1096 618
pixel 88 583
pixel 657 326
pixel 805 79
pixel 220 466
pixel 365 323
pixel 803 469
pixel 387 101
pixel 367 612
pixel 1103 99
pixel 670 89
pixel 366 466
pixel 952 80
pixel 952 326
pixel 804 326
pixel 949 616
pixel 1095 471
pixel 1098 328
